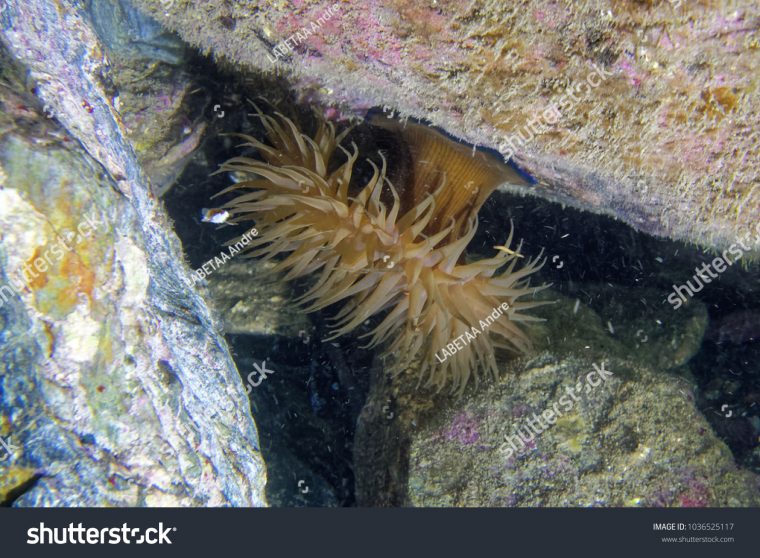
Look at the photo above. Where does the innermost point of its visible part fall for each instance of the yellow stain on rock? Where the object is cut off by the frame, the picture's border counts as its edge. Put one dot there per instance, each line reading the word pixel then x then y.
pixel 718 102
pixel 12 479
pixel 57 287
pixel 571 428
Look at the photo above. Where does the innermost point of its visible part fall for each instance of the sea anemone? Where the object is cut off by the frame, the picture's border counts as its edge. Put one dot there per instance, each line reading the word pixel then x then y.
pixel 380 248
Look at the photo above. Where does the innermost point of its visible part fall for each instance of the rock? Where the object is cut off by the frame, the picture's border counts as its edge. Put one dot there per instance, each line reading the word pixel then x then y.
pixel 116 385
pixel 253 302
pixel 132 35
pixel 642 111
pixel 737 328
pixel 150 89
pixel 634 439
pixel 627 323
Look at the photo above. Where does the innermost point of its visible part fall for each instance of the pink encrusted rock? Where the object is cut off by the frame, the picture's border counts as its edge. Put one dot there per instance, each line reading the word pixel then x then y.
pixel 663 141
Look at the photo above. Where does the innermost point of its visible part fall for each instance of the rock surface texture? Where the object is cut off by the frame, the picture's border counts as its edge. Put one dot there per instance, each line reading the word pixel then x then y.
pixel 645 111
pixel 591 418
pixel 633 439
pixel 116 385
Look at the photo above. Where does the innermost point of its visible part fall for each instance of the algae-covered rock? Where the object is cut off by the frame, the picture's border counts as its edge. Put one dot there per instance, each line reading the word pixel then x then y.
pixel 623 322
pixel 602 413
pixel 646 111
pixel 116 385
pixel 150 89
pixel 577 433
pixel 252 302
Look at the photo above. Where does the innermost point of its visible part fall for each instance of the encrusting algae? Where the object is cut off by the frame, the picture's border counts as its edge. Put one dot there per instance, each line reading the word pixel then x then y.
pixel 392 249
